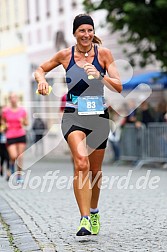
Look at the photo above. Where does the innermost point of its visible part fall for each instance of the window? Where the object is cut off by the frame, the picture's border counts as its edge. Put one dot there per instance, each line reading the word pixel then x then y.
pixel 29 38
pixel 74 4
pixel 49 32
pixel 4 73
pixel 48 8
pixel 16 11
pixel 38 36
pixel 61 8
pixel 1 20
pixel 37 9
pixel 7 14
pixel 27 12
pixel 60 41
pixel 4 16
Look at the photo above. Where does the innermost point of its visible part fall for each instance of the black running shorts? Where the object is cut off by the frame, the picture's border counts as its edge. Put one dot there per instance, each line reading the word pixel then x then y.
pixel 15 140
pixel 95 127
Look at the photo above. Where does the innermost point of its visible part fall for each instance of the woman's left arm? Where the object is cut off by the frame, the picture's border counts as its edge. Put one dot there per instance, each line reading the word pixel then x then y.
pixel 112 81
pixel 25 121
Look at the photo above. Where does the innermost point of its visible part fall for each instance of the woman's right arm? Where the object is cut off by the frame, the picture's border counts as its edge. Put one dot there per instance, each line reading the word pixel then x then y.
pixel 3 124
pixel 42 70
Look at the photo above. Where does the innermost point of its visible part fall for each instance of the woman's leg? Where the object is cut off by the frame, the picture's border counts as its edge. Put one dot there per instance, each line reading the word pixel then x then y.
pixel 15 151
pixel 96 159
pixel 20 149
pixel 7 159
pixel 115 147
pixel 12 151
pixel 2 158
pixel 1 165
pixel 82 187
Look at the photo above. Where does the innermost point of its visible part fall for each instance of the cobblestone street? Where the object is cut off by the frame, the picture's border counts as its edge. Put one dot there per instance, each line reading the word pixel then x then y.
pixel 43 216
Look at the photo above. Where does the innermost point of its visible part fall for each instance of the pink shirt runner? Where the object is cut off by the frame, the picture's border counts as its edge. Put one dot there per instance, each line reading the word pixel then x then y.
pixel 13 120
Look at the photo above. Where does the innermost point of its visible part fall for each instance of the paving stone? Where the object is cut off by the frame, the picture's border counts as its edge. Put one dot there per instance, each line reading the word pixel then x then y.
pixel 4 241
pixel 22 238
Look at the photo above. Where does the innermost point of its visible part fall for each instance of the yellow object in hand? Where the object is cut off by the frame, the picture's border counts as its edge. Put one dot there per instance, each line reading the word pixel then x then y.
pixel 50 89
pixel 90 77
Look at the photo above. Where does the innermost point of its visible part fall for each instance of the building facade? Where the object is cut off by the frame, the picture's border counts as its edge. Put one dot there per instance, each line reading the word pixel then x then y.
pixel 13 57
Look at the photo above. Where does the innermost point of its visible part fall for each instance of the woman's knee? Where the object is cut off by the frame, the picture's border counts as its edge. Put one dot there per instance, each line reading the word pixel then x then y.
pixel 12 151
pixel 13 158
pixel 96 173
pixel 81 164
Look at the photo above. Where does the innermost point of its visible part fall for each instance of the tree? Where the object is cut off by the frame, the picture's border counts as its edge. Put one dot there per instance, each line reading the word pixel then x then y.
pixel 141 22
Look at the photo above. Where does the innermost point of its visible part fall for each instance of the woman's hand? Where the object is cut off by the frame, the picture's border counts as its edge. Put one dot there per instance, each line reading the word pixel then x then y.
pixel 24 121
pixel 91 70
pixel 2 128
pixel 43 88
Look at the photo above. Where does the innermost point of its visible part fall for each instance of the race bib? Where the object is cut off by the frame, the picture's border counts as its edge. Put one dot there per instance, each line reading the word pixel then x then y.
pixel 90 105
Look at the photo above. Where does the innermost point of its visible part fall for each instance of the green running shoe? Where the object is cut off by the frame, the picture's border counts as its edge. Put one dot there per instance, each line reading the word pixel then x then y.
pixel 84 228
pixel 95 223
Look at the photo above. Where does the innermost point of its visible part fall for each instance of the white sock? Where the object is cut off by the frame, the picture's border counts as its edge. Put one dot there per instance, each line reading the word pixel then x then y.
pixel 85 216
pixel 94 210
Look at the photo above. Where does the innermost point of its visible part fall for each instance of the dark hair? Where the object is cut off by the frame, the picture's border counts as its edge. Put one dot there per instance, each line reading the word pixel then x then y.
pixel 85 19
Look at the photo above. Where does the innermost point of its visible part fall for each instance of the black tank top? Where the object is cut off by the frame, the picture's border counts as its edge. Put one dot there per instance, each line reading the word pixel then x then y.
pixel 78 83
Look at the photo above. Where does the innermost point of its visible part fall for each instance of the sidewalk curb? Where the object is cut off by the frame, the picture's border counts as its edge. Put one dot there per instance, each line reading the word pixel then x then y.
pixel 20 237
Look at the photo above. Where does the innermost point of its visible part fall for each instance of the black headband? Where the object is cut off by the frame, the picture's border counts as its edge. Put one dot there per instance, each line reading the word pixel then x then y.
pixel 80 20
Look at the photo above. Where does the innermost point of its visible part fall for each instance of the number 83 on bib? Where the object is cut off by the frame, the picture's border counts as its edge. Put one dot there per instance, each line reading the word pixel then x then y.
pixel 90 105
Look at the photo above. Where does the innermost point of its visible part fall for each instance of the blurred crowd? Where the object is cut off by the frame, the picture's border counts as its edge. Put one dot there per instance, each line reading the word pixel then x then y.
pixel 138 117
